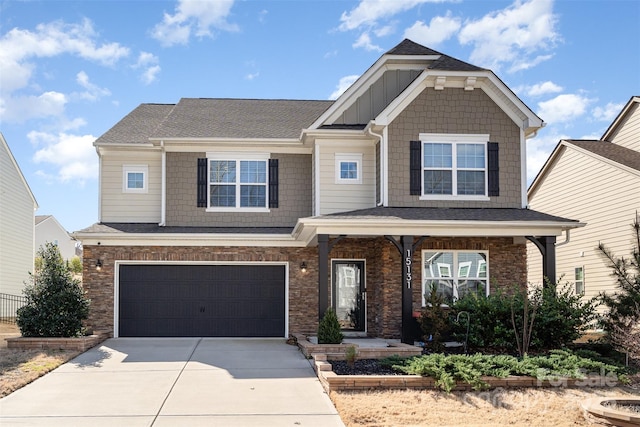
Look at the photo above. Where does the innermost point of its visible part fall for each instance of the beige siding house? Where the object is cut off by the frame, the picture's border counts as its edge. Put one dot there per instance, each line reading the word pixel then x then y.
pixel 251 217
pixel 17 210
pixel 599 183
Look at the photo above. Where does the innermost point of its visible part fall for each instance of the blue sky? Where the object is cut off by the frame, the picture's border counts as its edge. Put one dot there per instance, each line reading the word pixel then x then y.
pixel 69 70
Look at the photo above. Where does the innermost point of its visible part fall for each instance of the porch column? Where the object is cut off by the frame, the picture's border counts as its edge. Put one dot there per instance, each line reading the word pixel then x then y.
pixel 323 274
pixel 547 247
pixel 407 297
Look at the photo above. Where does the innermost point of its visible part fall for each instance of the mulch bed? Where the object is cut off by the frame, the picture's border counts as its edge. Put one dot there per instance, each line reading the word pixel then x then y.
pixel 362 367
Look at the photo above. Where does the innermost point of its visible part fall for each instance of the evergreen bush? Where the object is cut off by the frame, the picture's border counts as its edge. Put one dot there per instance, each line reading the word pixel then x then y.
pixel 329 329
pixel 56 304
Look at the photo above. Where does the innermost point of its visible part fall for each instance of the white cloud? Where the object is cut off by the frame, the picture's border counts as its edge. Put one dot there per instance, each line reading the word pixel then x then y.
pixel 343 85
pixel 563 108
pixel 72 157
pixel 364 41
pixel 540 89
pixel 539 149
pixel 252 76
pixel 439 29
pixel 514 36
pixel 92 92
pixel 194 16
pixel 19 109
pixel 18 46
pixel 368 12
pixel 150 67
pixel 608 112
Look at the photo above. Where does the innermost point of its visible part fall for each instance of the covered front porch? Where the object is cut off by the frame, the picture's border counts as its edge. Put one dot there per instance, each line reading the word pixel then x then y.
pixel 374 265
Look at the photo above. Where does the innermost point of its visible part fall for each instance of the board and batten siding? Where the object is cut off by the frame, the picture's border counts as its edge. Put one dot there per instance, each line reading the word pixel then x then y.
pixel 628 133
pixel 606 198
pixel 17 208
pixel 118 206
pixel 335 197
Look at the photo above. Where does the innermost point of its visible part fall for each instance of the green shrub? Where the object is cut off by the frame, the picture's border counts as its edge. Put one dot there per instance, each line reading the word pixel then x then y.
pixel 75 265
pixel 561 317
pixel 56 304
pixel 329 329
pixel 447 369
pixel 434 320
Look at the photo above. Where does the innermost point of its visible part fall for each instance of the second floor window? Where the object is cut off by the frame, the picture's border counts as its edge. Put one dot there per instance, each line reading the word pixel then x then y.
pixel 454 166
pixel 237 183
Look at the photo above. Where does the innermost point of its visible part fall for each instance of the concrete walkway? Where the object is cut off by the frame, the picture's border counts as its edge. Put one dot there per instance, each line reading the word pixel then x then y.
pixel 176 382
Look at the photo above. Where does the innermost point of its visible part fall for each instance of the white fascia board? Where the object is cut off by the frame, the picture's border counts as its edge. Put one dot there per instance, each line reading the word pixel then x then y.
pixel 187 239
pixel 375 227
pixel 385 63
pixel 125 145
pixel 616 122
pixel 542 173
pixel 227 141
pixel 533 121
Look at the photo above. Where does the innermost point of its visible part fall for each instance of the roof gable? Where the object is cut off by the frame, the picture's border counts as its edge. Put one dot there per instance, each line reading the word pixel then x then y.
pixel 619 120
pixel 5 147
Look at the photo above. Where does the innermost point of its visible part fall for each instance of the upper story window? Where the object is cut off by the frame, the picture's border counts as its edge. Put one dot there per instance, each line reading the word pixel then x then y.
pixel 134 178
pixel 348 168
pixel 454 167
pixel 238 183
pixel 454 274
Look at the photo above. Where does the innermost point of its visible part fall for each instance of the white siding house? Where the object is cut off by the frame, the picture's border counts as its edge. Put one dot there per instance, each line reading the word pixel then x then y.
pixel 597 182
pixel 48 229
pixel 17 207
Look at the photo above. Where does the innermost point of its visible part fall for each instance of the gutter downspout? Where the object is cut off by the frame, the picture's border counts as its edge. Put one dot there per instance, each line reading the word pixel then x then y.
pixel 163 190
pixel 383 157
pixel 566 240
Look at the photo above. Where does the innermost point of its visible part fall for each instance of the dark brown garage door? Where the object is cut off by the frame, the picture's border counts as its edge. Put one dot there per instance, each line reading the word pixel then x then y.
pixel 201 301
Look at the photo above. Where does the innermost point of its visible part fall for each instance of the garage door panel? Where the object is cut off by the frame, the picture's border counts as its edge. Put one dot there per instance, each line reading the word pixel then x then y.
pixel 202 300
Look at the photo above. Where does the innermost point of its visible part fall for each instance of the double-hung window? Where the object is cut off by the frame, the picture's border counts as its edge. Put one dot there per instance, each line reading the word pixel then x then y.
pixel 454 166
pixel 454 274
pixel 238 183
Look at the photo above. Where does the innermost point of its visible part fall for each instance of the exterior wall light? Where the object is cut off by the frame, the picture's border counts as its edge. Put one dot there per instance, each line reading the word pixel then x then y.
pixel 98 265
pixel 303 267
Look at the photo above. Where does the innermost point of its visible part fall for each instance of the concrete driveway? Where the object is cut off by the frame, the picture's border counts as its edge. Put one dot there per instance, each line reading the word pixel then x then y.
pixel 176 382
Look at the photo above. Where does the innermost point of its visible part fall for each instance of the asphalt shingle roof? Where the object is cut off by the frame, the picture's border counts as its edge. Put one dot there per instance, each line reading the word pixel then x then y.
pixel 138 125
pixel 451 214
pixel 622 155
pixel 239 118
pixel 126 227
pixel 409 47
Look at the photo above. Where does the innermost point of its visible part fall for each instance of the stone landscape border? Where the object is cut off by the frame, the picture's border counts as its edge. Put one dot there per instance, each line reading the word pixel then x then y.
pixel 337 351
pixel 75 343
pixel 615 417
pixel 331 381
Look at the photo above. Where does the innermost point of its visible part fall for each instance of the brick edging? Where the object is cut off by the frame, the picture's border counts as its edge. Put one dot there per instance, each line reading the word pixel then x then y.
pixel 72 343
pixel 331 381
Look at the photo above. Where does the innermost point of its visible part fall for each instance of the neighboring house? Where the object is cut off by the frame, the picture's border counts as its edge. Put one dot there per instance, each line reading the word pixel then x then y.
pixel 246 217
pixel 598 182
pixel 48 229
pixel 17 210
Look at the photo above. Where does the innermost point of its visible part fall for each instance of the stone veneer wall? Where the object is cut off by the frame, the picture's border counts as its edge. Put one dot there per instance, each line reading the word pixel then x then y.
pixel 507 268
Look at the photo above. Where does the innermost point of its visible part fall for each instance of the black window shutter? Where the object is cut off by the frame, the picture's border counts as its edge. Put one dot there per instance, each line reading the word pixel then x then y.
pixel 202 183
pixel 493 169
pixel 273 183
pixel 415 168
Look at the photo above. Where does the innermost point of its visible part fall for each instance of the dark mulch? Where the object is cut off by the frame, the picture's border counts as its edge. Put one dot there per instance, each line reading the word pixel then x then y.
pixel 362 367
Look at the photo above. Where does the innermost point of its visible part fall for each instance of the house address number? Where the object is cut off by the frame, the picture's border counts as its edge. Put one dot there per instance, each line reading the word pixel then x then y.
pixel 407 264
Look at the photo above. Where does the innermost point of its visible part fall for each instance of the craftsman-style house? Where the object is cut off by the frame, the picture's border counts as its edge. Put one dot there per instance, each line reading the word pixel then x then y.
pixel 247 217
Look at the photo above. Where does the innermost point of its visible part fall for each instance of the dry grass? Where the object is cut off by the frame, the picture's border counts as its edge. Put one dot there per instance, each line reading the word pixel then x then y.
pixel 499 407
pixel 20 367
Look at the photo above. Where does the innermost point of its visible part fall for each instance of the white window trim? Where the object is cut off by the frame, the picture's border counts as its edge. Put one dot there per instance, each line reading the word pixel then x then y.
pixel 237 157
pixel 455 139
pixel 454 267
pixel 351 158
pixel 143 169
pixel 581 267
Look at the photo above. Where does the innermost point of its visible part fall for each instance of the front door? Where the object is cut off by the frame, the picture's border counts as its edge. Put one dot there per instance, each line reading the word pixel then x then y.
pixel 348 293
